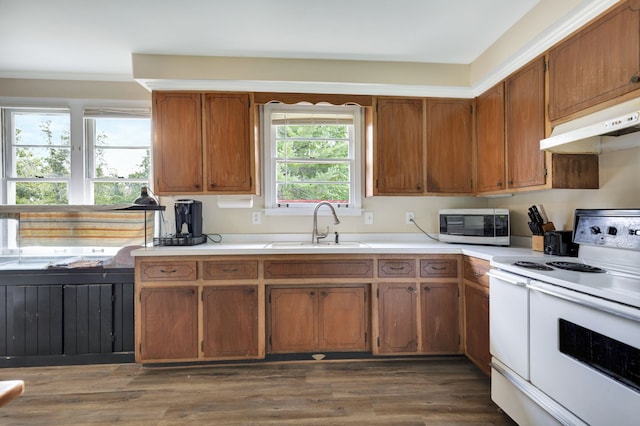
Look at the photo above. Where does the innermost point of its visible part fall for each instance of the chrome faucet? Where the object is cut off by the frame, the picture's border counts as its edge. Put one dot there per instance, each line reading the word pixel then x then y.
pixel 316 236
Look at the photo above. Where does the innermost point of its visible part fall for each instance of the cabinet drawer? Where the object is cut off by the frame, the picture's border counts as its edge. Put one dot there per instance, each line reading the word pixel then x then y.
pixel 230 270
pixel 355 268
pixel 439 268
pixel 168 271
pixel 390 268
pixel 475 270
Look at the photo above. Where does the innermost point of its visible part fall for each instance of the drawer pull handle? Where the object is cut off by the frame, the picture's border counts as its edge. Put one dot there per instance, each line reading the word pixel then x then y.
pixel 439 268
pixel 168 271
pixel 230 270
pixel 397 268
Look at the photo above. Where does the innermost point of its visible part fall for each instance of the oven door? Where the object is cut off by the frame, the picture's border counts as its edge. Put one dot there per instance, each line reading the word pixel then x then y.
pixel 585 354
pixel 509 320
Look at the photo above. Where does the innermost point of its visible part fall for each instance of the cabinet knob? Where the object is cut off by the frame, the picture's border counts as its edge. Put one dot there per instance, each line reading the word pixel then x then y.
pixel 410 289
pixel 324 294
pixel 499 184
pixel 635 79
pixel 191 292
pixel 419 187
pixel 312 293
pixel 196 185
pixel 212 184
pixel 427 289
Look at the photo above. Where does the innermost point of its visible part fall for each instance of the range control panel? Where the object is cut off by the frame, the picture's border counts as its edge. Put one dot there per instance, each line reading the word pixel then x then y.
pixel 609 228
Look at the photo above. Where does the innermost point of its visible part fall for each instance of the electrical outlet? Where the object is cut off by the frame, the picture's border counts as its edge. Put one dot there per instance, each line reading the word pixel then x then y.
pixel 256 218
pixel 368 218
pixel 408 218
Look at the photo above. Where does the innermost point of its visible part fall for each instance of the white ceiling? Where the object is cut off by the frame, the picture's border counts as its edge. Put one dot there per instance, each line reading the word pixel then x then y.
pixel 84 39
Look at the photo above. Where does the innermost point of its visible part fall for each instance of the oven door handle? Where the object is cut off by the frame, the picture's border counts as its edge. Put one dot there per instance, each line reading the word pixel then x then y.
pixel 507 279
pixel 587 301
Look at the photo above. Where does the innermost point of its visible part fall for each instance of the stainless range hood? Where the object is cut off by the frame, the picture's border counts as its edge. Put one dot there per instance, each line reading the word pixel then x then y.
pixel 601 131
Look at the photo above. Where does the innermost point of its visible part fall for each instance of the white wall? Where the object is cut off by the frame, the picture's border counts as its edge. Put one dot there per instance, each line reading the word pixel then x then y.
pixel 619 188
pixel 389 216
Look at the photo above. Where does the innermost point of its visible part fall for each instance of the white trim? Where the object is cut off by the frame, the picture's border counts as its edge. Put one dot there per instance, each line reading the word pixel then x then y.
pixel 269 150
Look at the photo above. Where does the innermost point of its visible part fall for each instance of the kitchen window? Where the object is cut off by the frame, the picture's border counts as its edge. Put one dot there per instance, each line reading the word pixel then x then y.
pixel 312 153
pixel 75 155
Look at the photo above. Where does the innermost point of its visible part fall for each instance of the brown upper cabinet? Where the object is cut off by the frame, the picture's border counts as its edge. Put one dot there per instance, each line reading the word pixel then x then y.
pixel 599 63
pixel 204 143
pixel 490 140
pixel 177 142
pixel 510 122
pixel 398 150
pixel 525 124
pixel 450 165
pixel 423 146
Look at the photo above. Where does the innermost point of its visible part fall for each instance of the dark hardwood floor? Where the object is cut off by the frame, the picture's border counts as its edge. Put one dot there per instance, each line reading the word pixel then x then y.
pixel 442 391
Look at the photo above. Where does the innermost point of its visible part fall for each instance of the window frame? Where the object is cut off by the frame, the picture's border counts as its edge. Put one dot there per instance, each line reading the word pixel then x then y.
pixel 356 160
pixel 90 139
pixel 80 182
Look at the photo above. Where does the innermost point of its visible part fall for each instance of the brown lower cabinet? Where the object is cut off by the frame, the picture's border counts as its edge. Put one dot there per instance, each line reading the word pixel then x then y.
pixel 206 308
pixel 311 319
pixel 476 312
pixel 230 326
pixel 440 326
pixel 169 323
pixel 398 318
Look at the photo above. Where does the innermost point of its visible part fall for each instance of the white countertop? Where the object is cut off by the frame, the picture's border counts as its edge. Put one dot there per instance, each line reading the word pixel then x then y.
pixel 259 244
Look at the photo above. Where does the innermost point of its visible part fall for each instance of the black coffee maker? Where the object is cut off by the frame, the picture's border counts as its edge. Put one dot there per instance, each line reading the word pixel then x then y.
pixel 188 212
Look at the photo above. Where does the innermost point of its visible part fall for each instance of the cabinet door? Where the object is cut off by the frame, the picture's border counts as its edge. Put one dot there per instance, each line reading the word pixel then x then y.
pixel 476 314
pixel 88 319
pixel 342 319
pixel 177 142
pixel 293 320
pixel 440 325
pixel 599 63
pixel 230 315
pixel 34 320
pixel 525 126
pixel 228 152
pixel 399 147
pixel 490 139
pixel 449 146
pixel 397 319
pixel 169 323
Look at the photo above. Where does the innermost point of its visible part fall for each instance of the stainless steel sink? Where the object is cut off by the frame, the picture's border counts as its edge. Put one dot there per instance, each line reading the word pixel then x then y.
pixel 322 245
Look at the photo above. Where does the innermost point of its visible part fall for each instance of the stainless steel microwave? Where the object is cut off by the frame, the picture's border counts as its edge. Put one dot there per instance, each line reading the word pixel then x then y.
pixel 475 226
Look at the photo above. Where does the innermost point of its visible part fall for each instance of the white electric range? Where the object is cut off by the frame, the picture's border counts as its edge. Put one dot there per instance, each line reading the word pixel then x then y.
pixel 566 342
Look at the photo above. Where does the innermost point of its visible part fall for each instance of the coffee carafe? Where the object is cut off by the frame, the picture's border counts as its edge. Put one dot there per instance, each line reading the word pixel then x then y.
pixel 189 213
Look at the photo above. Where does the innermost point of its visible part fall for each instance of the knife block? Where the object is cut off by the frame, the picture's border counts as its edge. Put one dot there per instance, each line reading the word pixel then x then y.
pixel 537 241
